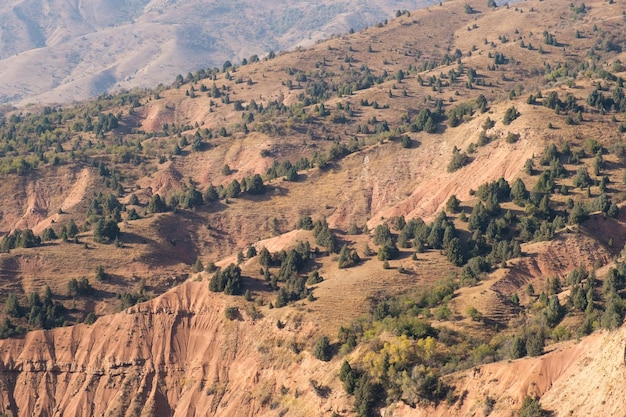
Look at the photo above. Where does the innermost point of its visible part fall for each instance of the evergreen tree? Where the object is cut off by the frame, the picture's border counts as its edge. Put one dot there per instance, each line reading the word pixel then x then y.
pixel 234 189
pixel 192 198
pixel 48 234
pixel 12 306
pixel 322 349
pixel 227 280
pixel 197 266
pixel 156 205
pixel 106 231
pixel 255 185
pixel 211 194
pixel 264 257
pixel 382 234
pixel 453 204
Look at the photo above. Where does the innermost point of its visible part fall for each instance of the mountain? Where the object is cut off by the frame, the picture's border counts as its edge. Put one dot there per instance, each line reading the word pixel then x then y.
pixel 62 51
pixel 424 217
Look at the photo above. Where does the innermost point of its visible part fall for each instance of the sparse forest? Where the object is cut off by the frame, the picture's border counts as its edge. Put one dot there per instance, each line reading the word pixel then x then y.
pixel 397 210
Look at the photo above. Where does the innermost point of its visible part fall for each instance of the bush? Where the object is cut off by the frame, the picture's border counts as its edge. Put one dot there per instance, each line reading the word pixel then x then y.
pixel 90 318
pixel 531 408
pixel 474 314
pixel 459 160
pixel 510 115
pixel 322 349
pixel 314 278
pixel 211 267
pixel 512 137
pixel 231 313
pixel 100 275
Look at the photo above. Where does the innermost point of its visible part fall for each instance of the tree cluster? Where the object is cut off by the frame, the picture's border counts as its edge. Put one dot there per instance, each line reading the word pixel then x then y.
pixel 227 280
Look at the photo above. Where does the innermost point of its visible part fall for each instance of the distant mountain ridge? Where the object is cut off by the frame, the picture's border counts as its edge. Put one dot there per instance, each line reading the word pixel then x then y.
pixel 61 51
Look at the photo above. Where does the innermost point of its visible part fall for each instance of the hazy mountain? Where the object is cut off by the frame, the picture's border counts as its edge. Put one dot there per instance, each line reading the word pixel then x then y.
pixel 64 50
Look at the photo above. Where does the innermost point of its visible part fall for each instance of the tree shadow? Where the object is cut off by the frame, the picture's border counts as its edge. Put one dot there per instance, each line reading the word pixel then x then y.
pixel 270 191
pixel 256 285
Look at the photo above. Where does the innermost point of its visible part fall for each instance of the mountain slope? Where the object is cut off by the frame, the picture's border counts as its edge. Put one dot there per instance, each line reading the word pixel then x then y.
pixel 557 377
pixel 365 225
pixel 177 355
pixel 180 355
pixel 64 51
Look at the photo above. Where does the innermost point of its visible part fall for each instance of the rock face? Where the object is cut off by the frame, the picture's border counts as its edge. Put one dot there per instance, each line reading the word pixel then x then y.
pixel 175 355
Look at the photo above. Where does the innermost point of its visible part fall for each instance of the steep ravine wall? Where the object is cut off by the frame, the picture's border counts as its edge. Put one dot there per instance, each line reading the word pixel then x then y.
pixel 176 355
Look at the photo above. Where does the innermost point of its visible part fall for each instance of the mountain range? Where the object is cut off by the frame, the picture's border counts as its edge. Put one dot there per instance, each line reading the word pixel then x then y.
pixel 61 51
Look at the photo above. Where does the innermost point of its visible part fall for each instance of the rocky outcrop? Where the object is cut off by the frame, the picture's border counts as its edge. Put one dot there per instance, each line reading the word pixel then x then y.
pixel 176 355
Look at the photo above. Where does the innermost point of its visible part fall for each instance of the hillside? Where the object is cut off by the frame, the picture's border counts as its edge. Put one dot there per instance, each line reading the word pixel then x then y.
pixel 405 220
pixel 179 355
pixel 65 51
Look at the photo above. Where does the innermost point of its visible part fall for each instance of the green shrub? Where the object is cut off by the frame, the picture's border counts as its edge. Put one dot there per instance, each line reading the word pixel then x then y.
pixel 322 349
pixel 510 115
pixel 531 408
pixel 231 313
pixel 459 160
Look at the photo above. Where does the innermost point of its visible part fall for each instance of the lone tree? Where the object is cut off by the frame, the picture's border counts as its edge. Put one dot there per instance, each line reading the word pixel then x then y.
pixel 510 115
pixel 100 275
pixel 322 349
